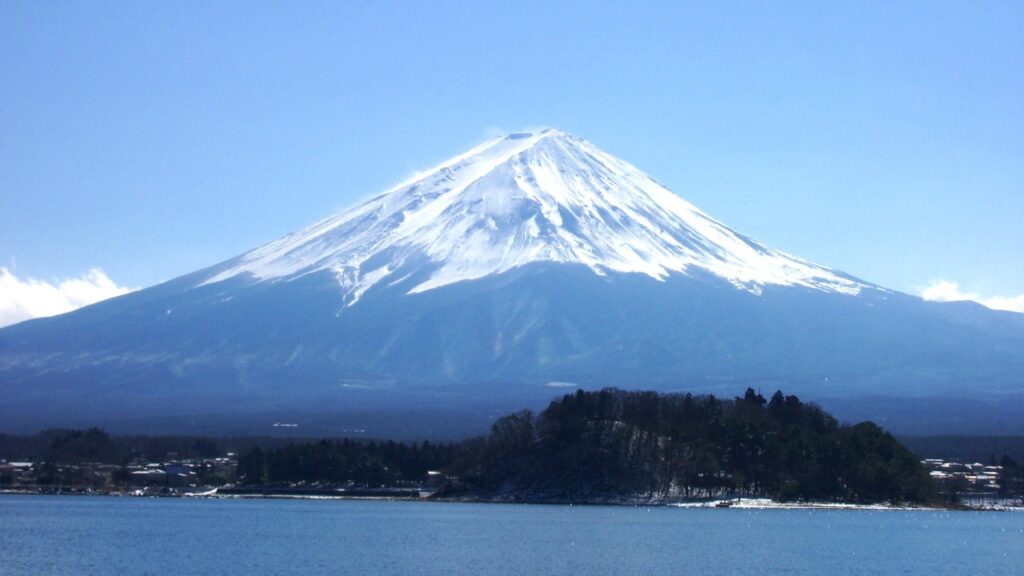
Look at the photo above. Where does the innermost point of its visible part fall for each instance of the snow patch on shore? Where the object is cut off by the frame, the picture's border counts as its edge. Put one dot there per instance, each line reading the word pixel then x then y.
pixel 769 504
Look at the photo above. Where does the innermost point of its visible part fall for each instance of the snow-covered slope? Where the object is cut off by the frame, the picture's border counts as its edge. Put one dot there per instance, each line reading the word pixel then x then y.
pixel 529 264
pixel 543 196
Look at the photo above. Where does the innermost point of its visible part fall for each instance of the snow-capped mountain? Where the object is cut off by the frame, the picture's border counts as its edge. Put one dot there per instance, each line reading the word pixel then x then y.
pixel 530 197
pixel 528 265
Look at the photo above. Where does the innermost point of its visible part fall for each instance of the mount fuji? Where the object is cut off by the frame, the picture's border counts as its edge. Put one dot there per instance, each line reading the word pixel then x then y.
pixel 530 264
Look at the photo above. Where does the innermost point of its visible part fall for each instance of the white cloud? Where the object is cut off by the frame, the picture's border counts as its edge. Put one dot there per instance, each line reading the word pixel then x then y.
pixel 22 299
pixel 948 291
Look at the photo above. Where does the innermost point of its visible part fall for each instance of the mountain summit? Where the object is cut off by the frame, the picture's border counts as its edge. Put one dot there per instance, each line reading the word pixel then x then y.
pixel 532 263
pixel 529 197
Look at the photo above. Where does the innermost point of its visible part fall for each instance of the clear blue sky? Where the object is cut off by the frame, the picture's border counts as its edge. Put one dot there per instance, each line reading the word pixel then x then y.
pixel 152 139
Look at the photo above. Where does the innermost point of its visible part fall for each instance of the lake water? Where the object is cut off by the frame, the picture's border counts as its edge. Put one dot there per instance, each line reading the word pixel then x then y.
pixel 67 535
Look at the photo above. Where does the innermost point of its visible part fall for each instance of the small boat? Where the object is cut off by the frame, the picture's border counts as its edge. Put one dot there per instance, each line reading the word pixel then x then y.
pixel 724 503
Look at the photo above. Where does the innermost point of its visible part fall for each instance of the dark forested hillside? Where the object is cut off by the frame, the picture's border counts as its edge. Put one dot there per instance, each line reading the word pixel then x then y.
pixel 615 442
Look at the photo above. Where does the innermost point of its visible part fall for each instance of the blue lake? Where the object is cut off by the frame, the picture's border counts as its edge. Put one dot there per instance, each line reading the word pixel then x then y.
pixel 67 535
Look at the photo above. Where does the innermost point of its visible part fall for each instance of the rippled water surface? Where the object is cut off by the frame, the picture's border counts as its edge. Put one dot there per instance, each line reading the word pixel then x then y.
pixel 65 535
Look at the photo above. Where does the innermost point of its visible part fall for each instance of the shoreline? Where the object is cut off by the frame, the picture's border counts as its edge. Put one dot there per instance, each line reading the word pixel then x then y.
pixel 723 504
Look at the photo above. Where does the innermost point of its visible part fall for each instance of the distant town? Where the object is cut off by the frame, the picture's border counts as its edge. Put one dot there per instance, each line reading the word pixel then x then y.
pixel 968 484
pixel 169 476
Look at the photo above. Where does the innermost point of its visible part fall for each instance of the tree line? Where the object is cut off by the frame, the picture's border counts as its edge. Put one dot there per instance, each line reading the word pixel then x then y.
pixel 614 443
pixel 364 463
